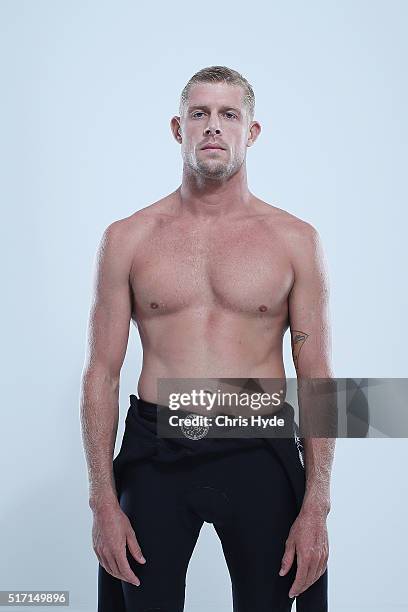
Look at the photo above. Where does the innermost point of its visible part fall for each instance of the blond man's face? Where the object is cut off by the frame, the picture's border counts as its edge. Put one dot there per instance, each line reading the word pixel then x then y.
pixel 214 114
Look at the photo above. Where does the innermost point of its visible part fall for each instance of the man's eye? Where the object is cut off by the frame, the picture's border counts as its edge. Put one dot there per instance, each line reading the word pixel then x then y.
pixel 201 113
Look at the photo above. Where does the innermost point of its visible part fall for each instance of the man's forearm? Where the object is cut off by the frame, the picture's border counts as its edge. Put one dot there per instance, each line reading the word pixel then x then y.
pixel 99 422
pixel 319 454
pixel 318 420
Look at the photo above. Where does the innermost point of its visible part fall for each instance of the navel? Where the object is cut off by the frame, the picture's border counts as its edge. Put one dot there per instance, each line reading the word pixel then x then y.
pixel 153 305
pixel 262 308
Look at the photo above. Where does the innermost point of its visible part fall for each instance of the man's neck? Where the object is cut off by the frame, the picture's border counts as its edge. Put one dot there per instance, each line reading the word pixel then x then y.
pixel 214 198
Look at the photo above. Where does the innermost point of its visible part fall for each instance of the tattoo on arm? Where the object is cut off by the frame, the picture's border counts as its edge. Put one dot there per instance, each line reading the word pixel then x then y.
pixel 298 340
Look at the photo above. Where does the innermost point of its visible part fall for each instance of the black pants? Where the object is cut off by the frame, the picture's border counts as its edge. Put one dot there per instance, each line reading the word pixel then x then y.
pixel 247 496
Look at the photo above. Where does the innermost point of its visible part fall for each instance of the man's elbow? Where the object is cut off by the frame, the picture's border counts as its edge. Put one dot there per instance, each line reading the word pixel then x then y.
pixel 318 367
pixel 100 376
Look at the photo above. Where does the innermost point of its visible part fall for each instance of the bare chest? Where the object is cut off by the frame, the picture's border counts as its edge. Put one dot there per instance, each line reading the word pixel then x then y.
pixel 245 270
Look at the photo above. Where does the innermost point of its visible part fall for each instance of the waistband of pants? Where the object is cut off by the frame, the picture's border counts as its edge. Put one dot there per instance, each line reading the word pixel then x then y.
pixel 149 410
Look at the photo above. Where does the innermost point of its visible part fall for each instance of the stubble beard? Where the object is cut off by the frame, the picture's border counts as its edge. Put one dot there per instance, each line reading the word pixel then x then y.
pixel 213 169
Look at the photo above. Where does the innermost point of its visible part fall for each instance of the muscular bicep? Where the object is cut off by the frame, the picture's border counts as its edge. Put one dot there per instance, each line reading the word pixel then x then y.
pixel 110 312
pixel 309 308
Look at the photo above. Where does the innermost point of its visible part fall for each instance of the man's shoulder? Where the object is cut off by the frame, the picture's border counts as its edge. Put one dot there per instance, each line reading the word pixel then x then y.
pixel 287 224
pixel 138 224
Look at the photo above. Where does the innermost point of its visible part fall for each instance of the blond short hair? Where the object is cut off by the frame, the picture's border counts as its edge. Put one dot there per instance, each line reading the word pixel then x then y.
pixel 220 74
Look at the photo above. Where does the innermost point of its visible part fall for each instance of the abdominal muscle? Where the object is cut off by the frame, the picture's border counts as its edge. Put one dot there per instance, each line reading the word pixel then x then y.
pixel 207 347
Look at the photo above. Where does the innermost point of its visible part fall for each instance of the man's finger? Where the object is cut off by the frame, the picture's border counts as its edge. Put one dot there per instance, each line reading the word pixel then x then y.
pixel 322 566
pixel 105 564
pixel 134 547
pixel 301 573
pixel 125 570
pixel 111 566
pixel 287 558
pixel 312 573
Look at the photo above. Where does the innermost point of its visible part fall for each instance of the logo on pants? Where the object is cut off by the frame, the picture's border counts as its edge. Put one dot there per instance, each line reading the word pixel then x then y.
pixel 193 427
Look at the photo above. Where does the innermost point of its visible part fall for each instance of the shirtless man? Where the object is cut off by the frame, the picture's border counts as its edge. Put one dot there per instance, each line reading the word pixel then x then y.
pixel 213 277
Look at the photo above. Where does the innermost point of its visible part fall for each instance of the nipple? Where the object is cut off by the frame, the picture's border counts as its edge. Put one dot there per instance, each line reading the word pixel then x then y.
pixel 262 308
pixel 153 305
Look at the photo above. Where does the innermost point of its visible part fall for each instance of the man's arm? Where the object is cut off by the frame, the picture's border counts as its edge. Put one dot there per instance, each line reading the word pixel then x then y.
pixel 311 349
pixel 108 333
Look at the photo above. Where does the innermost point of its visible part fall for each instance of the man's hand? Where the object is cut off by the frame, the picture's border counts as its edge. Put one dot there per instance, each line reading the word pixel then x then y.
pixel 308 538
pixel 110 533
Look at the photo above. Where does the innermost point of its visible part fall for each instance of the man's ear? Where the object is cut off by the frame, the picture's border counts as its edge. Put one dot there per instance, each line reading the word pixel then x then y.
pixel 254 132
pixel 175 126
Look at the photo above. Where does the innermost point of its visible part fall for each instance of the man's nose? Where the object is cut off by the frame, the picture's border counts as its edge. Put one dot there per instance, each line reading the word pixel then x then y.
pixel 212 130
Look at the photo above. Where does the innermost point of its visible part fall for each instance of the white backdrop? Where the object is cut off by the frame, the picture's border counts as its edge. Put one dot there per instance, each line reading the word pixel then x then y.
pixel 88 90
